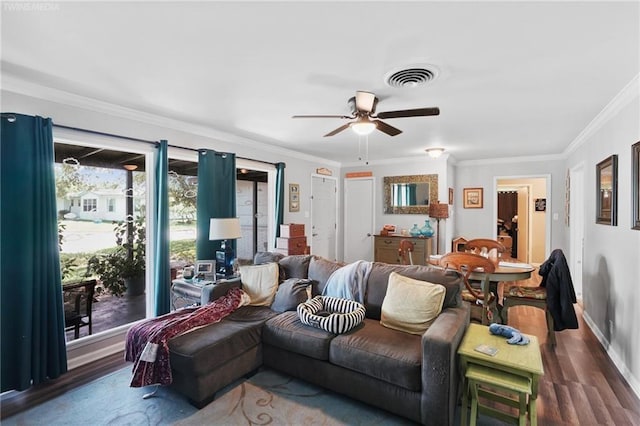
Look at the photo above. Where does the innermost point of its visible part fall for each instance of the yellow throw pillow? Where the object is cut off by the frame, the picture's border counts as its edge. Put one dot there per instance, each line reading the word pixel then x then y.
pixel 411 305
pixel 260 282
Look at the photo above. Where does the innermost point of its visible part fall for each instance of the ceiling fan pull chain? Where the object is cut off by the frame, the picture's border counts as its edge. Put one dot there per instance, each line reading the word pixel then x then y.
pixel 366 147
pixel 359 147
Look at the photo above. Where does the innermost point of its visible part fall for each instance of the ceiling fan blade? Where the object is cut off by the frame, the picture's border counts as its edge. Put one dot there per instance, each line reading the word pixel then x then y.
pixel 419 112
pixel 338 130
pixel 385 128
pixel 323 116
pixel 365 101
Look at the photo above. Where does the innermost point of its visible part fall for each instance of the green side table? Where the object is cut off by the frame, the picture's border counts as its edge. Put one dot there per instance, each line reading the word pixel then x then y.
pixel 517 361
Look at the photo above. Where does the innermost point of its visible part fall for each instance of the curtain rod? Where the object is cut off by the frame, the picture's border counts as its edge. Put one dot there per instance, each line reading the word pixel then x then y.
pixel 201 149
pixel 95 132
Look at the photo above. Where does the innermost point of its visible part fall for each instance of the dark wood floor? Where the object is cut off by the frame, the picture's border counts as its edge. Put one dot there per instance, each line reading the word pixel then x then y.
pixel 580 385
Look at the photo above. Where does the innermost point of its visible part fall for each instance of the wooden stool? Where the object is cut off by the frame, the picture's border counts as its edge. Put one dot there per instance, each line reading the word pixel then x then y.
pixel 491 379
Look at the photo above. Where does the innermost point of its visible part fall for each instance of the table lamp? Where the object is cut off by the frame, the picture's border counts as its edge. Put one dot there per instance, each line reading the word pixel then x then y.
pixel 224 229
pixel 438 211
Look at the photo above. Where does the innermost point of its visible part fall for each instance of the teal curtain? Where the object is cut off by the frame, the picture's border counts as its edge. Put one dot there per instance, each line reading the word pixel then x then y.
pixel 32 316
pixel 216 197
pixel 412 199
pixel 162 272
pixel 280 200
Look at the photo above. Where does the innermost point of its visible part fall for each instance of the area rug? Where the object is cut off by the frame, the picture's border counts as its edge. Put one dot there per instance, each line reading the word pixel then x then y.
pixel 267 398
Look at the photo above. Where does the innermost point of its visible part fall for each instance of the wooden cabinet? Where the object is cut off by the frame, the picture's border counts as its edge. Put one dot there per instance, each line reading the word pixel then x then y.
pixel 386 249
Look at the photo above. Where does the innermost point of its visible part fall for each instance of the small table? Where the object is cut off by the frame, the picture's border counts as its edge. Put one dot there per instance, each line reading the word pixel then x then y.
pixel 186 292
pixel 519 360
pixel 506 271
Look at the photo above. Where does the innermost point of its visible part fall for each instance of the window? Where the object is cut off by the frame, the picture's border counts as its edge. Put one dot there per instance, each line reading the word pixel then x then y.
pixel 112 214
pixel 89 205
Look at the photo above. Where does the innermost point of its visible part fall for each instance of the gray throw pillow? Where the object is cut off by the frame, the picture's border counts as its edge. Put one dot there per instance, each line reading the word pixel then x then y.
pixel 296 266
pixel 290 294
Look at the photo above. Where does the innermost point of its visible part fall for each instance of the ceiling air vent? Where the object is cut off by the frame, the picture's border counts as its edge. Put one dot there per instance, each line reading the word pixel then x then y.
pixel 410 77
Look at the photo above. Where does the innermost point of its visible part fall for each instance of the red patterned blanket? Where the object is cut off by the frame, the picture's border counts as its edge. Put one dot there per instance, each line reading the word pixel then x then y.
pixel 147 345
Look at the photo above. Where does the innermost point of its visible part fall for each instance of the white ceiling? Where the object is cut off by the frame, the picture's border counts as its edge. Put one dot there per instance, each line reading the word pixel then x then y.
pixel 516 78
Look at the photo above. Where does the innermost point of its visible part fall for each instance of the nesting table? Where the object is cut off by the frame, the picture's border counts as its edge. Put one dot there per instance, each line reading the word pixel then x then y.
pixel 514 368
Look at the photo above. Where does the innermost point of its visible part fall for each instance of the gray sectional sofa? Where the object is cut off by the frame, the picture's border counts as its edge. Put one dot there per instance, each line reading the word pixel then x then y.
pixel 414 376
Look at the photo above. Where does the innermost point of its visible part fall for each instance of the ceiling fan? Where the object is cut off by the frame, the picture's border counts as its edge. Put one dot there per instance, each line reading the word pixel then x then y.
pixel 363 111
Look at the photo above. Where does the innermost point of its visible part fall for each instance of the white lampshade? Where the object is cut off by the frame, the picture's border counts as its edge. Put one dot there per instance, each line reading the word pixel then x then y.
pixel 224 228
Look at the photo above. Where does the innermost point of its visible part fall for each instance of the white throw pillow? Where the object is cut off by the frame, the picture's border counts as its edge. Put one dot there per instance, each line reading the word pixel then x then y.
pixel 260 282
pixel 411 305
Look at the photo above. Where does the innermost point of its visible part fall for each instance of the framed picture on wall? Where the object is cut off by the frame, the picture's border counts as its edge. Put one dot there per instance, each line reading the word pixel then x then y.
pixel 472 198
pixel 635 185
pixel 540 204
pixel 607 191
pixel 450 196
pixel 294 197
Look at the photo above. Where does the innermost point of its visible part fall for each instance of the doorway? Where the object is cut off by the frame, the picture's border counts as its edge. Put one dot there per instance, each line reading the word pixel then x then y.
pixel 522 212
pixel 324 226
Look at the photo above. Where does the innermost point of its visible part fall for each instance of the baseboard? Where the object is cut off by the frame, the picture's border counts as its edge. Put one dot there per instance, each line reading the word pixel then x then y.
pixel 613 355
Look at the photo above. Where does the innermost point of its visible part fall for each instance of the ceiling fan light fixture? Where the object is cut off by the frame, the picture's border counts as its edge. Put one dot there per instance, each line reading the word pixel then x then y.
pixel 363 127
pixel 434 152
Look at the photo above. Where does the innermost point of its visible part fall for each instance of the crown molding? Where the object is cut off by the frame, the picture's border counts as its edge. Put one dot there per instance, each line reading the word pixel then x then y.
pixel 622 99
pixel 511 160
pixel 15 84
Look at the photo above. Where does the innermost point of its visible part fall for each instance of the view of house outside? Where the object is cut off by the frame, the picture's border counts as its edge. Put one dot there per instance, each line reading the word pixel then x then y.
pixel 91 205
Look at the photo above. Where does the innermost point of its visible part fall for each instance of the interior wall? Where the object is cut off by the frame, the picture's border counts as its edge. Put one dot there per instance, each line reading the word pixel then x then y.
pixel 480 223
pixel 421 166
pixel 612 253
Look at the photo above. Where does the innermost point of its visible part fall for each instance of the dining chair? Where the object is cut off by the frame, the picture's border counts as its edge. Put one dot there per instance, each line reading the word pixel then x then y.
pixel 494 250
pixel 481 310
pixel 555 295
pixel 405 252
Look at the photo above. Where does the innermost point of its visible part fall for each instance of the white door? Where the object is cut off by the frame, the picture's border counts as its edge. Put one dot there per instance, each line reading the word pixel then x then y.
pixel 358 219
pixel 576 226
pixel 324 226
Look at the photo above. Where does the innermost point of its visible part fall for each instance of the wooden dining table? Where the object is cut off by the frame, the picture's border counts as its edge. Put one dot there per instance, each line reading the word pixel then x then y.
pixel 506 271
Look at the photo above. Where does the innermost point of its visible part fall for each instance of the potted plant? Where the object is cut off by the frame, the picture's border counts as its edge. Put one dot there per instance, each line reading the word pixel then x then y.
pixel 123 268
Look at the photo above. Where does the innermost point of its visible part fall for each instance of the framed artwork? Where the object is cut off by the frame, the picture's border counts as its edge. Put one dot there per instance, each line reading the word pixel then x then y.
pixel 450 196
pixel 472 198
pixel 294 197
pixel 635 185
pixel 540 204
pixel 607 191
pixel 205 269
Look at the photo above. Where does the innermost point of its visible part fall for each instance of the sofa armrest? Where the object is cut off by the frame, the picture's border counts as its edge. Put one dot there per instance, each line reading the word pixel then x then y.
pixel 440 372
pixel 211 292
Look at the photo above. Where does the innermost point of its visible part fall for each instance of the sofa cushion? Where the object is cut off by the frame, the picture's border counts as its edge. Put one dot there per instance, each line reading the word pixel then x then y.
pixel 207 348
pixel 260 282
pixel 379 279
pixel 389 355
pixel 257 314
pixel 411 305
pixel 285 331
pixel 320 269
pixel 296 266
pixel 290 294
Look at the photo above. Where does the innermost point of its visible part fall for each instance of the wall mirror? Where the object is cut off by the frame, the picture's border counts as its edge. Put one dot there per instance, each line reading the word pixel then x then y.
pixel 607 191
pixel 409 194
